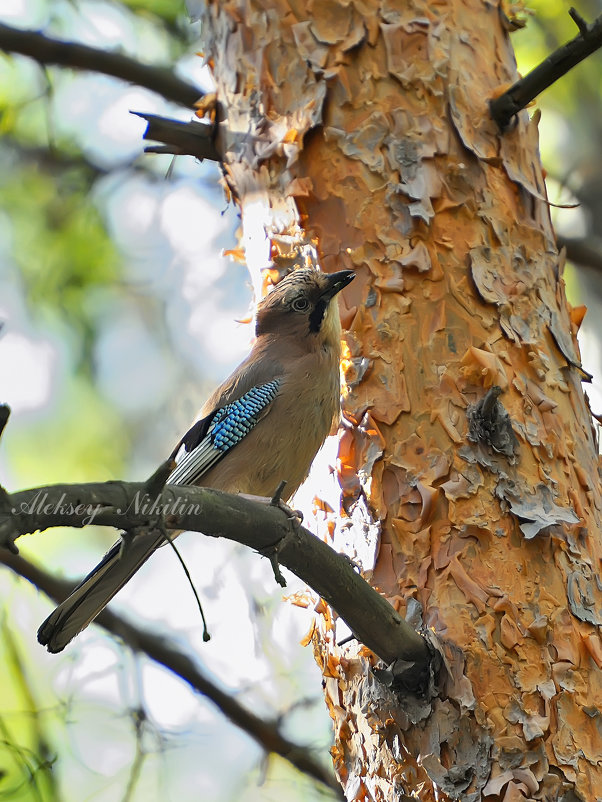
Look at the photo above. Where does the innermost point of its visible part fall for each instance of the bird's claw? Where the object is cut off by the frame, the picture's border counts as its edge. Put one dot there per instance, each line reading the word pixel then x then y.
pixel 276 501
pixel 291 514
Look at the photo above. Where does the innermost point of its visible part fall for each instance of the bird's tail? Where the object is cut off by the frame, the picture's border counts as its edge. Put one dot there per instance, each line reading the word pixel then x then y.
pixel 94 592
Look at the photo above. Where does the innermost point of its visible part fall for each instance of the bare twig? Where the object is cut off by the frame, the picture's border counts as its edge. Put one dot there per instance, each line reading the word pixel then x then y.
pixel 153 487
pixel 557 64
pixel 5 501
pixel 155 483
pixel 578 20
pixel 4 416
pixel 82 57
pixel 265 733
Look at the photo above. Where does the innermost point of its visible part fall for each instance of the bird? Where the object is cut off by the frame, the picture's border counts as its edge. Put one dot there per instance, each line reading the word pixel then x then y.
pixel 262 425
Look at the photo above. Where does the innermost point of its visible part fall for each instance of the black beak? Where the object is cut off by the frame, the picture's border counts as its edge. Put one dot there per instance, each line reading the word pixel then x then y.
pixel 336 282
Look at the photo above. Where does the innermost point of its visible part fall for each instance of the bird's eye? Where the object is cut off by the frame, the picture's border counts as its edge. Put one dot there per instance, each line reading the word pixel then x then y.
pixel 300 305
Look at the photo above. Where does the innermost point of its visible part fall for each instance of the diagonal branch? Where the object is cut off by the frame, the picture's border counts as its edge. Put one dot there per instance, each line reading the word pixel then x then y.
pixel 263 527
pixel 83 57
pixel 584 251
pixel 557 64
pixel 265 733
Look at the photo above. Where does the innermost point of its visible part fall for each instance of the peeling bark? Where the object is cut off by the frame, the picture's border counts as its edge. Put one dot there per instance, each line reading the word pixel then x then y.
pixel 370 146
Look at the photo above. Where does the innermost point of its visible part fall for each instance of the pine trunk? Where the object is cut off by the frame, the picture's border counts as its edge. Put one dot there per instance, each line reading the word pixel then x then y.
pixel 358 135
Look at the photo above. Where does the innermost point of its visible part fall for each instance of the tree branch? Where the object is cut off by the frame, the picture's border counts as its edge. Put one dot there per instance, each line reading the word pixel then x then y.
pixel 262 527
pixel 557 64
pixel 192 138
pixel 4 416
pixel 265 733
pixel 82 57
pixel 584 251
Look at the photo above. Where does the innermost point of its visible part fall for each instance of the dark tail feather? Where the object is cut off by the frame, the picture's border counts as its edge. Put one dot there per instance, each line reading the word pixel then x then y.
pixel 94 592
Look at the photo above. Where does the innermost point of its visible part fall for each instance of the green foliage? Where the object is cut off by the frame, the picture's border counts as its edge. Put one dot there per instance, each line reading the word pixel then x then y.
pixel 169 10
pixel 59 245
pixel 81 435
pixel 25 754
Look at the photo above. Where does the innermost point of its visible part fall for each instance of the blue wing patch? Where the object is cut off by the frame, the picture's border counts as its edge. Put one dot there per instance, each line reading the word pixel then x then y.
pixel 229 425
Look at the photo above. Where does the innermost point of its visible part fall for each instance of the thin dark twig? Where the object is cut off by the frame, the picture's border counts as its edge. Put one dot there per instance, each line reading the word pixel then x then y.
pixel 5 504
pixel 557 64
pixel 578 20
pixel 206 635
pixel 83 57
pixel 153 488
pixel 155 483
pixel 4 416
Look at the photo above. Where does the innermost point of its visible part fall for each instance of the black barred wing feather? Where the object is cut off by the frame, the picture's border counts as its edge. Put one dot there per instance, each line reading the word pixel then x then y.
pixel 209 439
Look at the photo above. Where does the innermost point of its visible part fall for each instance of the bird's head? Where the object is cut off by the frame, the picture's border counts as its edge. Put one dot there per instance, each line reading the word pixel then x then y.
pixel 302 305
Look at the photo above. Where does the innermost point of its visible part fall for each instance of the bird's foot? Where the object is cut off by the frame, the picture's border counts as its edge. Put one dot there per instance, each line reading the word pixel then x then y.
pixel 276 501
pixel 296 516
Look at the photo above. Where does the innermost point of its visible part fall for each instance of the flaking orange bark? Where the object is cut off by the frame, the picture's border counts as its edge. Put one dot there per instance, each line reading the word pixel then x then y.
pixel 368 133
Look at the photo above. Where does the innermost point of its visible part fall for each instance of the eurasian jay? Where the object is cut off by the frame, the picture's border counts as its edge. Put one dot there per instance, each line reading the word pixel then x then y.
pixel 264 424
